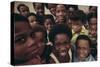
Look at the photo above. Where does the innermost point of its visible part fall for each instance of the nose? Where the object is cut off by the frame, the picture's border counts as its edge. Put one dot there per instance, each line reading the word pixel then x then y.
pixel 81 51
pixel 62 48
pixel 61 14
pixel 30 42
pixel 35 22
pixel 40 10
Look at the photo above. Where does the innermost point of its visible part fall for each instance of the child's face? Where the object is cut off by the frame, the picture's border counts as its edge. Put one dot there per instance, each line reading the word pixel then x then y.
pixel 52 9
pixel 39 8
pixel 83 49
pixel 32 20
pixel 25 47
pixel 76 26
pixel 39 37
pixel 93 27
pixel 71 9
pixel 93 21
pixel 48 24
pixel 93 9
pixel 93 30
pixel 24 10
pixel 62 44
pixel 60 13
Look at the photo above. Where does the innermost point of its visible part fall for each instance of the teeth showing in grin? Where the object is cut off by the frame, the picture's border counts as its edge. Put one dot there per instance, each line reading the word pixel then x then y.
pixel 63 53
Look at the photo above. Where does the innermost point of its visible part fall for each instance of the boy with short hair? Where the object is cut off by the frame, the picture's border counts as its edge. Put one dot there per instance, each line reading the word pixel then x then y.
pixel 23 9
pixel 78 19
pixel 26 48
pixel 83 49
pixel 92 21
pixel 48 24
pixel 32 19
pixel 60 14
pixel 40 12
pixel 60 36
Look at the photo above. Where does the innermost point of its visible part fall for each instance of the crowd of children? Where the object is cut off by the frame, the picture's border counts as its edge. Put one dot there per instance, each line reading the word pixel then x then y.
pixel 68 34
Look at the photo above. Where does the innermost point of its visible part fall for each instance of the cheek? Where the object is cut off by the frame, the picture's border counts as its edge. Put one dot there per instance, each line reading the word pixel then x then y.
pixel 83 53
pixel 62 48
pixel 57 14
pixel 45 25
pixel 32 24
pixel 68 47
pixel 76 28
pixel 19 50
pixel 24 13
pixel 41 48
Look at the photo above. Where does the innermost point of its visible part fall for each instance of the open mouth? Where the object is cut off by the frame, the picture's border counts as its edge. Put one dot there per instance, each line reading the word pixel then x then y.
pixel 63 53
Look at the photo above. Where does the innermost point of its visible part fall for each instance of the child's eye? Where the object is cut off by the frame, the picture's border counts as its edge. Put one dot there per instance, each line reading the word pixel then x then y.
pixel 20 40
pixel 32 35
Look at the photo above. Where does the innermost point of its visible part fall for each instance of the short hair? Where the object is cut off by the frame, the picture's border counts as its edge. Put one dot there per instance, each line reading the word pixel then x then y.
pixel 91 7
pixel 83 37
pixel 78 15
pixel 63 5
pixel 31 14
pixel 59 29
pixel 37 3
pixel 17 17
pixel 40 28
pixel 91 15
pixel 46 5
pixel 75 7
pixel 48 16
pixel 18 7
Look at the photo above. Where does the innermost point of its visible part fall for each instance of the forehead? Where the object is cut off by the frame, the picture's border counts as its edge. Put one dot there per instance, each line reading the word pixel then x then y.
pixel 48 20
pixel 93 7
pixel 60 7
pixel 39 33
pixel 93 27
pixel 22 26
pixel 51 5
pixel 38 5
pixel 23 7
pixel 32 16
pixel 76 22
pixel 83 43
pixel 93 19
pixel 61 37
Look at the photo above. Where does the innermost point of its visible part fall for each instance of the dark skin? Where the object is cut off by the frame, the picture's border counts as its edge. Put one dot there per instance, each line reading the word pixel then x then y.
pixel 32 20
pixel 26 49
pixel 83 49
pixel 39 37
pixel 61 48
pixel 76 26
pixel 60 14
pixel 93 27
pixel 48 24
pixel 93 9
pixel 24 10
pixel 39 8
pixel 52 8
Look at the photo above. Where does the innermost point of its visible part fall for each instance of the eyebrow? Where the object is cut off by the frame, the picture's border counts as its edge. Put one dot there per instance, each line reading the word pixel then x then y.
pixel 23 34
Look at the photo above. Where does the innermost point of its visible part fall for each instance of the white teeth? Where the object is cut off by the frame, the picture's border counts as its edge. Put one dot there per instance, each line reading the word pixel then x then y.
pixel 63 54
